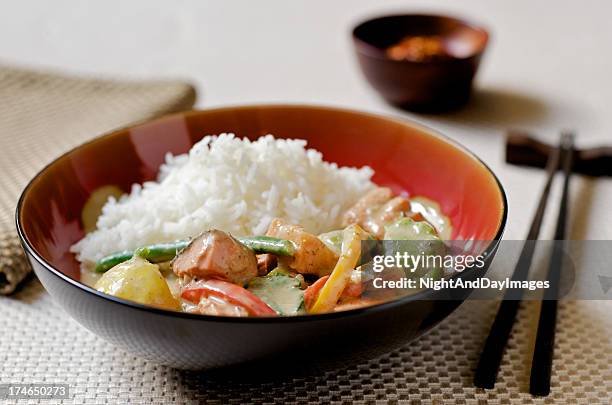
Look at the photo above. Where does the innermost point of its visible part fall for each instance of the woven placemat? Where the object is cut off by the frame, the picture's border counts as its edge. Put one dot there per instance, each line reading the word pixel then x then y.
pixel 40 343
pixel 46 115
pixel 43 115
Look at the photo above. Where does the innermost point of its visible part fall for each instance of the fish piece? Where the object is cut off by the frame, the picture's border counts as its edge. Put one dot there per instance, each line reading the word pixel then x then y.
pixel 376 209
pixel 216 254
pixel 311 255
pixel 265 263
pixel 361 211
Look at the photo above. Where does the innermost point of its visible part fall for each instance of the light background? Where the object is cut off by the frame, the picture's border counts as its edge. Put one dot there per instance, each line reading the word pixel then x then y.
pixel 548 67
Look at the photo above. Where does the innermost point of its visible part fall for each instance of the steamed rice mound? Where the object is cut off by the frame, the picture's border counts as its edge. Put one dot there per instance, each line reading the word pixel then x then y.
pixel 231 184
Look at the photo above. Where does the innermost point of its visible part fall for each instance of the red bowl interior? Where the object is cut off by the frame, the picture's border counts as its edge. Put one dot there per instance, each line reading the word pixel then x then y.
pixel 405 156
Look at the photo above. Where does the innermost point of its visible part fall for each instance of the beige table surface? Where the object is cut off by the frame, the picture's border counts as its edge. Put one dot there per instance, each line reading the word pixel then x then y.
pixel 548 67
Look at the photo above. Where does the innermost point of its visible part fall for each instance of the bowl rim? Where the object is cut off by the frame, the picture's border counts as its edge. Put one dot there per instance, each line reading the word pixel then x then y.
pixel 364 47
pixel 420 296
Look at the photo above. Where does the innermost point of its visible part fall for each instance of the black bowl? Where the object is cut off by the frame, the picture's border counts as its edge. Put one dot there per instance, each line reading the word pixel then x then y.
pixel 48 222
pixel 429 85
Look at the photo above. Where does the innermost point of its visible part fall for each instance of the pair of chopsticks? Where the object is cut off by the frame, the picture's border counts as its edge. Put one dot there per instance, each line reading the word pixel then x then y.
pixel 490 359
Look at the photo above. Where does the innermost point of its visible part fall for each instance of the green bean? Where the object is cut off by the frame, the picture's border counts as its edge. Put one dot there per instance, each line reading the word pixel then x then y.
pixel 158 253
pixel 163 252
pixel 110 261
pixel 268 244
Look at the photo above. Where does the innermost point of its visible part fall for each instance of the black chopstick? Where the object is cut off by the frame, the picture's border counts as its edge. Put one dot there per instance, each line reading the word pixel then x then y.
pixel 490 358
pixel 541 365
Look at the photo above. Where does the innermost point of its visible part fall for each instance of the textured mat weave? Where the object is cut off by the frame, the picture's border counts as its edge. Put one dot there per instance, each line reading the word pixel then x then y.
pixel 40 343
pixel 43 115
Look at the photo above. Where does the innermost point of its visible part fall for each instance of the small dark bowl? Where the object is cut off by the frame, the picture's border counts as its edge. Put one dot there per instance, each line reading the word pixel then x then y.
pixel 430 85
pixel 406 157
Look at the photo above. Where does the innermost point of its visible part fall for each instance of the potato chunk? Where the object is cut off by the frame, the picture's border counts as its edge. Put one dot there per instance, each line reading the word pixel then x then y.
pixel 140 281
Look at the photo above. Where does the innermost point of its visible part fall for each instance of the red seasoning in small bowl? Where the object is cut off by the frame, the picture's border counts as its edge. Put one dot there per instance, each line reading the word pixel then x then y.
pixel 418 48
pixel 420 62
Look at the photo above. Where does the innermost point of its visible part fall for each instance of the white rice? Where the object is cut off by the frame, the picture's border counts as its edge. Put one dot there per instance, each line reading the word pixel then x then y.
pixel 230 184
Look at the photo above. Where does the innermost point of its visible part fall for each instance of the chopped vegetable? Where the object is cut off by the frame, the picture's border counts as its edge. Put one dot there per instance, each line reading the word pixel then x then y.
pixel 289 271
pixel 213 305
pixel 281 292
pixel 432 213
pixel 312 293
pixel 353 289
pixel 340 276
pixel 268 244
pixel 333 240
pixel 167 251
pixel 161 252
pixel 232 293
pixel 285 272
pixel 93 206
pixel 408 229
pixel 140 281
pixel 416 238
